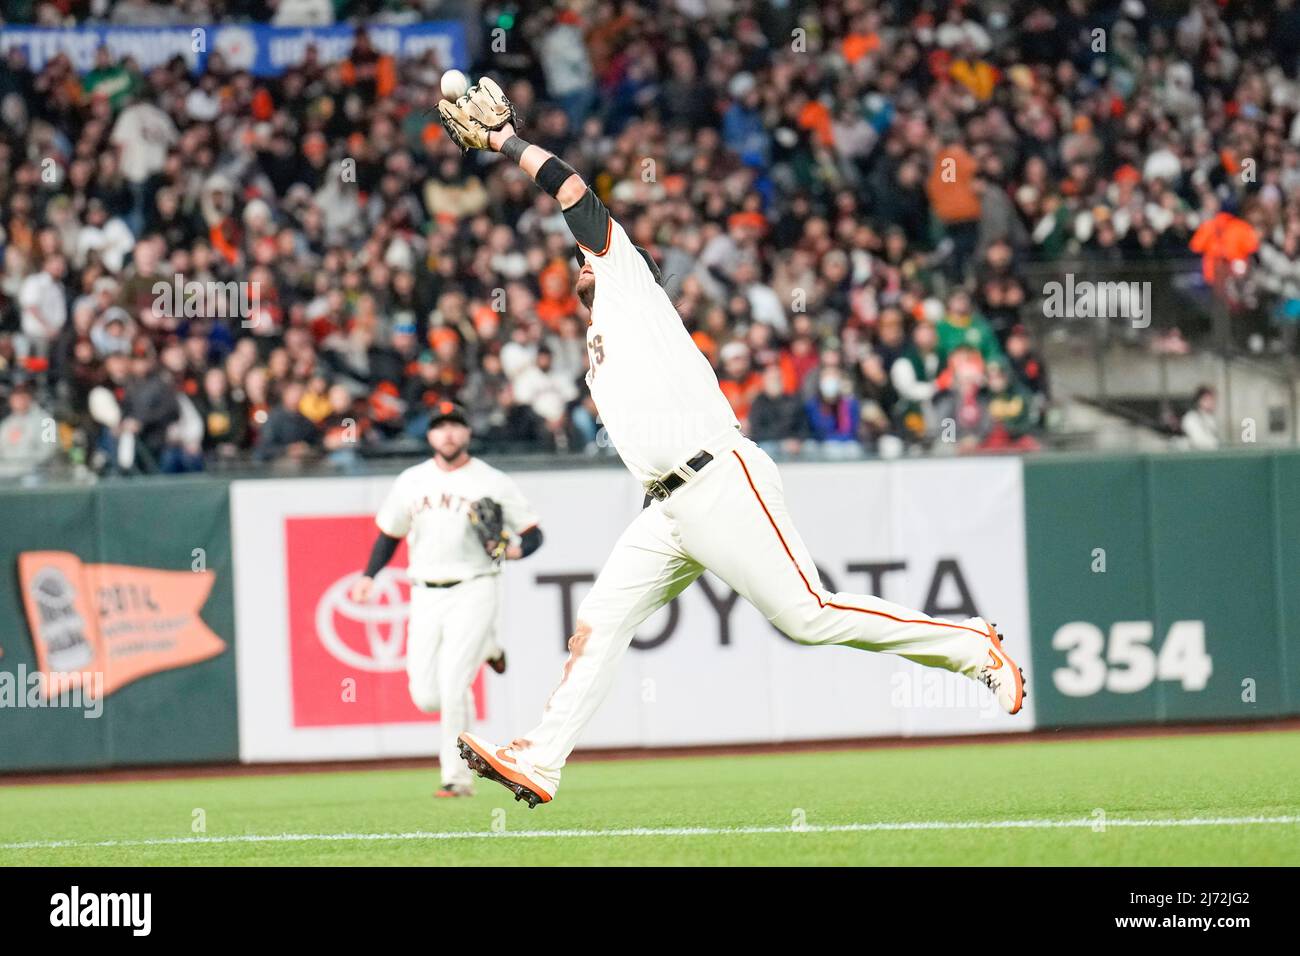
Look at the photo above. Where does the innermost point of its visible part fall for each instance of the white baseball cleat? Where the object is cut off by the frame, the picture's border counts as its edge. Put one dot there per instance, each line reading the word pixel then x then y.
pixel 506 767
pixel 1000 674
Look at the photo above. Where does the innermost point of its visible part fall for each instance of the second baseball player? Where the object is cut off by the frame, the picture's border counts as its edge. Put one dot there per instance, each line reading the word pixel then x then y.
pixel 454 567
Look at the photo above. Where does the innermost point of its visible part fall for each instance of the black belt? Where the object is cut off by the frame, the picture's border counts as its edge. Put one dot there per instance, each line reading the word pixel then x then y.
pixel 438 584
pixel 661 488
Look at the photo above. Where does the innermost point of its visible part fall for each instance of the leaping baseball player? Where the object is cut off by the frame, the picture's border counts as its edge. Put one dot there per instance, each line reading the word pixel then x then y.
pixel 460 518
pixel 717 498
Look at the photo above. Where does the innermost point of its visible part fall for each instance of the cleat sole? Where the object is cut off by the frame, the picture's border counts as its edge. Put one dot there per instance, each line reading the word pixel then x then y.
pixel 488 772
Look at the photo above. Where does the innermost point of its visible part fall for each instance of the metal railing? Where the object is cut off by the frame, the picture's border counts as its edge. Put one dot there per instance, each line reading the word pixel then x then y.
pixel 1186 333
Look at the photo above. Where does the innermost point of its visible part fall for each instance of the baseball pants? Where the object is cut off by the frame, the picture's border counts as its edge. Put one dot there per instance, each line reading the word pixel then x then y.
pixel 731 519
pixel 448 636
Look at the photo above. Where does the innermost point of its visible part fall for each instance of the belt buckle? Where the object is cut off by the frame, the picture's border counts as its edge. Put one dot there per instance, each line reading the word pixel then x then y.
pixel 658 490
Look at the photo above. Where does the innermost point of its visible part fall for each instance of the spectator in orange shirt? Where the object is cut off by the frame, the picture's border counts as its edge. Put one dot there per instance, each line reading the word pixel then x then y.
pixel 557 301
pixel 975 74
pixel 1223 241
pixel 739 382
pixel 956 202
pixel 862 39
pixel 951 186
pixel 816 118
pixel 374 74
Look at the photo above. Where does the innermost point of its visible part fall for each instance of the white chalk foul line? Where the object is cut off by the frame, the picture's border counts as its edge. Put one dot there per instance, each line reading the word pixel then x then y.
pixel 884 827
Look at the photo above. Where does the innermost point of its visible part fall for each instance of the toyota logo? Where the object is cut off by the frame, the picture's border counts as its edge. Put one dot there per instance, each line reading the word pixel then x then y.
pixel 383 622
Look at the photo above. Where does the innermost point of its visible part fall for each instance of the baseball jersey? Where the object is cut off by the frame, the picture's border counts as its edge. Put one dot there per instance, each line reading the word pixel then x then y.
pixel 430 508
pixel 657 394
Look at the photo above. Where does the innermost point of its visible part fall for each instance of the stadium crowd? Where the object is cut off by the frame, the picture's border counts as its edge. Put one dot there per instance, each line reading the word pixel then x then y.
pixel 844 197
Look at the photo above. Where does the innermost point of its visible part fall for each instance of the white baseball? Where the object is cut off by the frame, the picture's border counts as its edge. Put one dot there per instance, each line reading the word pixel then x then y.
pixel 454 84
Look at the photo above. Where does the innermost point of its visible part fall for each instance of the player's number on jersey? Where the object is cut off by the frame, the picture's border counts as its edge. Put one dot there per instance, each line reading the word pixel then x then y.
pixel 1129 664
pixel 596 350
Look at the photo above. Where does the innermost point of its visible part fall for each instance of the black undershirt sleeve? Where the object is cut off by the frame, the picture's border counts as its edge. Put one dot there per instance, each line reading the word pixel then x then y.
pixel 383 551
pixel 554 173
pixel 530 541
pixel 588 220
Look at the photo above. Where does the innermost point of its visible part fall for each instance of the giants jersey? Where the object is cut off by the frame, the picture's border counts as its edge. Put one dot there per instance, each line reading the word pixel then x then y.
pixel 657 394
pixel 430 508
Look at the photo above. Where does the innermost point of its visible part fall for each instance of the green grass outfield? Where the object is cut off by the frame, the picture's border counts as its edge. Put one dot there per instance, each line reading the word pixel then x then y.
pixel 1194 800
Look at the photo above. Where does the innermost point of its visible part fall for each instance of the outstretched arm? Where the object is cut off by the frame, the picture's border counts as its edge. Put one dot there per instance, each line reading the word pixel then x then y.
pixel 547 170
pixel 588 219
pixel 484 119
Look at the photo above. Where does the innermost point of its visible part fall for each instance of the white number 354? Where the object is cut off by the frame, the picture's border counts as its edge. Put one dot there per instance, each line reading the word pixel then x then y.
pixel 1130 664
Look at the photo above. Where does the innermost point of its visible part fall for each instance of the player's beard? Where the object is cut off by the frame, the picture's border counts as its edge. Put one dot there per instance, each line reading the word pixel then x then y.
pixel 585 289
pixel 449 459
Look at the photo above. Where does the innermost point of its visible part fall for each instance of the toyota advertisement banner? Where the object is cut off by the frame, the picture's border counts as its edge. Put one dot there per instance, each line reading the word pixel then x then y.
pixel 323 678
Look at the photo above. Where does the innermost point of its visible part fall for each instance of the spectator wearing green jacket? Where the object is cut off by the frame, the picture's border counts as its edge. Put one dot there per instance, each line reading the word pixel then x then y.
pixel 1011 409
pixel 110 79
pixel 963 327
pixel 914 376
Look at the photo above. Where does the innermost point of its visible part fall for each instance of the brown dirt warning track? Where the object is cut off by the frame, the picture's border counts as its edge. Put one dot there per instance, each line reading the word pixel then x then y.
pixel 1041 735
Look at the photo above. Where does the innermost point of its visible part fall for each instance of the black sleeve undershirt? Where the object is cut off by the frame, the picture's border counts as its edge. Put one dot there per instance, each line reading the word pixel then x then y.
pixel 588 220
pixel 383 551
pixel 530 541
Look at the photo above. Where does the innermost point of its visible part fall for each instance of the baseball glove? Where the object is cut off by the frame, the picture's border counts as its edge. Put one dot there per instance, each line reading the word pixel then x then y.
pixel 488 522
pixel 483 109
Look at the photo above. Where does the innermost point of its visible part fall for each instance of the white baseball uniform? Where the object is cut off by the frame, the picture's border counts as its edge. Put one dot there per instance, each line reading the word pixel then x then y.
pixel 660 401
pixel 452 629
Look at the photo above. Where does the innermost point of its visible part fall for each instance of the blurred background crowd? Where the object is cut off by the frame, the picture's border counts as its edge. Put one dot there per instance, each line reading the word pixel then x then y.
pixel 847 198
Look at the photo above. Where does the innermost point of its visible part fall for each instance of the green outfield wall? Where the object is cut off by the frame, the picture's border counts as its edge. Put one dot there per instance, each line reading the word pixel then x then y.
pixel 1155 589
pixel 144 570
pixel 1164 588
